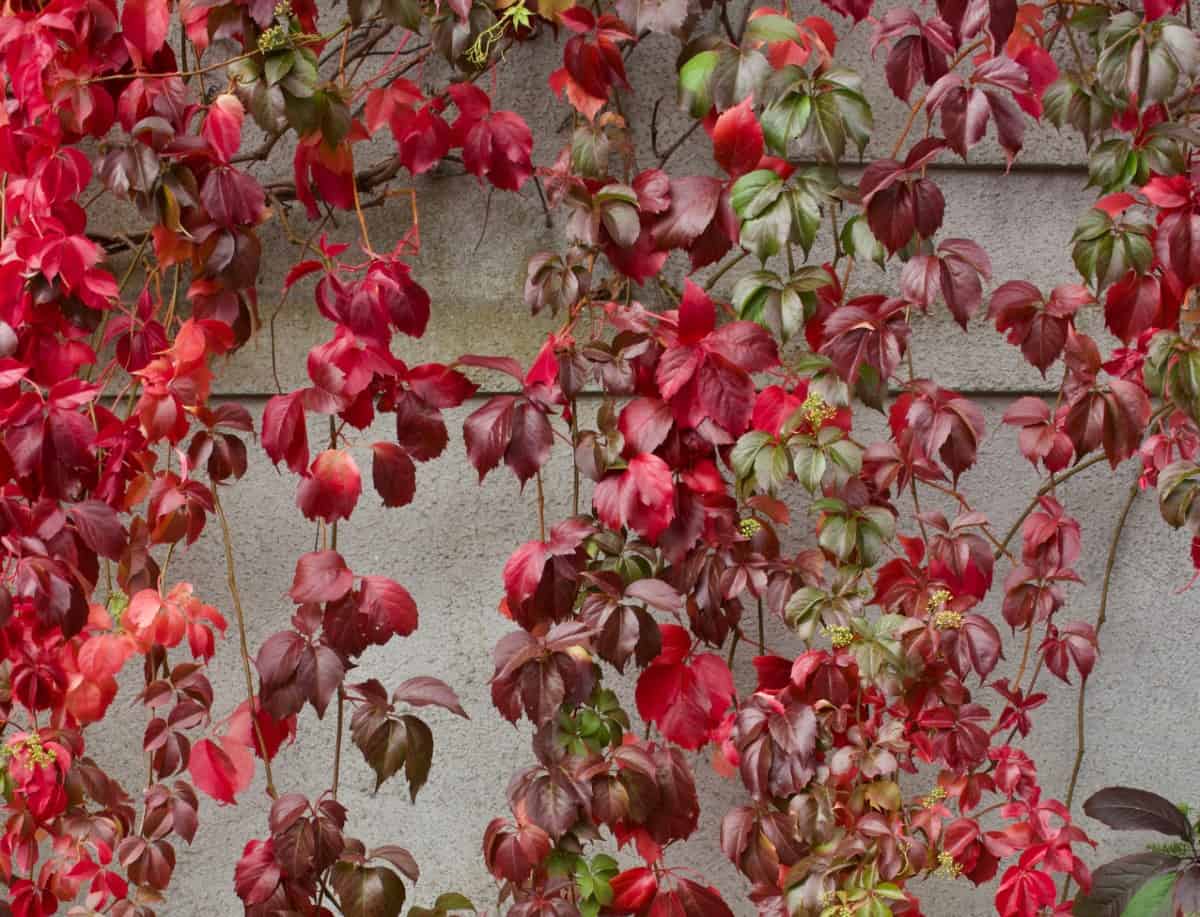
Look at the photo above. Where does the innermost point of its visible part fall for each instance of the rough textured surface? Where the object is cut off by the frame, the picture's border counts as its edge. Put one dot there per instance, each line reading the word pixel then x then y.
pixel 1024 221
pixel 448 549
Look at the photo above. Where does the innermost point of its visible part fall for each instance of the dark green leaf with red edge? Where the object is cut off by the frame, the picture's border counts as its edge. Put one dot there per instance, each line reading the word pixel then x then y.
pixel 367 891
pixel 1115 883
pixel 1113 416
pixel 870 331
pixel 511 852
pixel 1128 809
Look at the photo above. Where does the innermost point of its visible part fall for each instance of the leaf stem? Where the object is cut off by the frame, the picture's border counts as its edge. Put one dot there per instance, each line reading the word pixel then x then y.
pixel 920 103
pixel 1055 479
pixel 541 506
pixel 1101 617
pixel 243 643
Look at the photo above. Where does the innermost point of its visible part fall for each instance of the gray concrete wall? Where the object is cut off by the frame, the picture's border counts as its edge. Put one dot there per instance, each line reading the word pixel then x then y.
pixel 449 547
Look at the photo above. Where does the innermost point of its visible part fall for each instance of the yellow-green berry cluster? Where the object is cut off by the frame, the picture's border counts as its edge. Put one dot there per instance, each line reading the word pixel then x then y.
pixel 936 795
pixel 118 602
pixel 841 636
pixel 37 753
pixel 947 866
pixel 937 601
pixel 273 39
pixel 749 527
pixel 283 9
pixel 816 411
pixel 948 620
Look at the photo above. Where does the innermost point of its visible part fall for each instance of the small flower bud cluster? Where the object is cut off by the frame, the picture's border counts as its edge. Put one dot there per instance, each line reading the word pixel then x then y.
pixel 816 411
pixel 936 795
pixel 749 527
pixel 273 39
pixel 948 620
pixel 937 601
pixel 947 867
pixel 841 636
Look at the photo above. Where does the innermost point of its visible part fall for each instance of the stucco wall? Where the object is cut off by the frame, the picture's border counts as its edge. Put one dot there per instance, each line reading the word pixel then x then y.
pixel 449 546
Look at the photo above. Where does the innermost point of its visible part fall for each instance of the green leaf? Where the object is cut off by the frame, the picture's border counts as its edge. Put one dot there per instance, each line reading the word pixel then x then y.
pixel 771 468
pixel 839 536
pixel 301 80
pixel 807 192
pixel 803 611
pixel 1153 899
pixel 771 28
pixel 739 75
pixel 785 120
pixel 809 463
pixel 360 10
pixel 453 901
pixel 766 236
pixel 754 192
pixel 859 242
pixel 745 452
pixel 589 151
pixel 404 13
pixel 695 93
pixel 277 66
pixel 763 297
pixel 1103 252
pixel 1112 165
pixel 335 118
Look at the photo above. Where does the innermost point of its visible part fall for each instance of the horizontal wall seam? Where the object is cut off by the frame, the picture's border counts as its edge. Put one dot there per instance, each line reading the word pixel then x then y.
pixel 258 396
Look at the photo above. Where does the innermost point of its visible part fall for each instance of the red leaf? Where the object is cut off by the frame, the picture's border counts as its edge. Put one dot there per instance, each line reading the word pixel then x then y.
pixel 99 527
pixel 223 126
pixel 424 690
pixel 389 608
pixel 144 25
pixel 1133 305
pixel 487 433
pixel 697 314
pixel 274 732
pixel 632 890
pixel 1023 890
pixel 738 139
pixel 1072 643
pixel 685 700
pixel 496 144
pixel 257 873
pixel 321 576
pixel 215 772
pixel 332 487
pixel 529 446
pixel 321 671
pixel 1039 328
pixel 870 330
pixel 644 424
pixel 694 201
pixel 393 474
pixel 284 433
pixel 641 497
pixel 511 852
